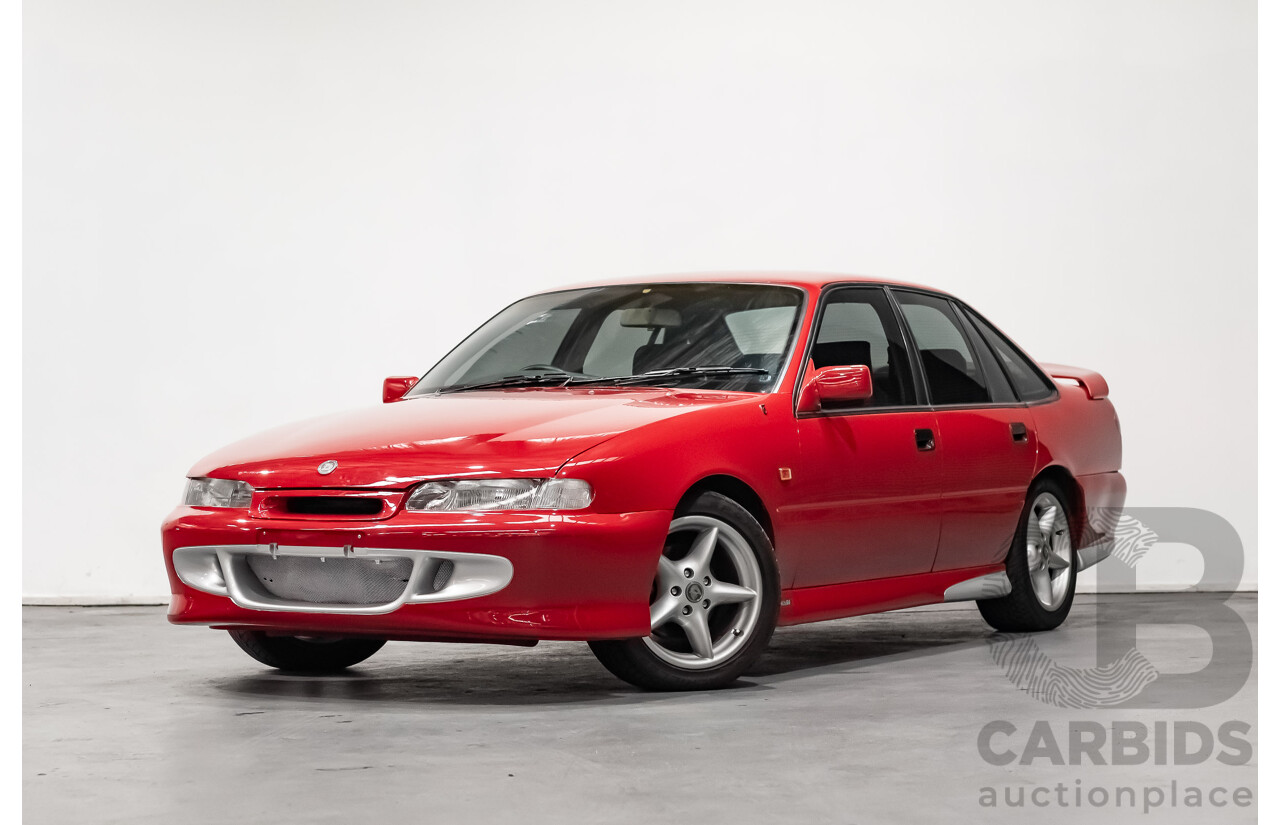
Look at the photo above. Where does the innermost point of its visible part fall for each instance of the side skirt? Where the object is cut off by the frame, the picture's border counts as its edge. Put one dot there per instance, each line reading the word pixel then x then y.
pixel 838 601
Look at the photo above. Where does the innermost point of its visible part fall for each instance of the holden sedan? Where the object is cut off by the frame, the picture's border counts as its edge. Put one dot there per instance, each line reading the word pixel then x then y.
pixel 667 470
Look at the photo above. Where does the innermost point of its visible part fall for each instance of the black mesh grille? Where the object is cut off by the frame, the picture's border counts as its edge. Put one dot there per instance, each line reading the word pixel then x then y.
pixel 443 573
pixel 336 580
pixel 332 506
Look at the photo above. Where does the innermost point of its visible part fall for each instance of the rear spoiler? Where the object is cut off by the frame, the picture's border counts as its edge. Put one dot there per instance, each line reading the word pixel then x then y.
pixel 1095 386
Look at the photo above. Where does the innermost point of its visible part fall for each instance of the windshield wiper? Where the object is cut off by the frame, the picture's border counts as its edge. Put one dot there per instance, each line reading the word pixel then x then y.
pixel 513 381
pixel 677 373
pixel 568 379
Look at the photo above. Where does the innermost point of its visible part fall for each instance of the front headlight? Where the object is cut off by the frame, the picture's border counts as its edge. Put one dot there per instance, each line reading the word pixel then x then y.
pixel 217 492
pixel 501 494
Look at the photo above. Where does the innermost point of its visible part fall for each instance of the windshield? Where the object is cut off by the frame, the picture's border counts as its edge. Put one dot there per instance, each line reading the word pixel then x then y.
pixel 708 336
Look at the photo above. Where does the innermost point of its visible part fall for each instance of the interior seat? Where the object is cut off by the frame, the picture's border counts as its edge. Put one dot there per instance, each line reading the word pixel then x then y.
pixel 649 357
pixel 841 354
pixel 949 380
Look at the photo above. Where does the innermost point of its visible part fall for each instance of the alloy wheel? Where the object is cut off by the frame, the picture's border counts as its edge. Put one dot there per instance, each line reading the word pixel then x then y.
pixel 1049 552
pixel 706 596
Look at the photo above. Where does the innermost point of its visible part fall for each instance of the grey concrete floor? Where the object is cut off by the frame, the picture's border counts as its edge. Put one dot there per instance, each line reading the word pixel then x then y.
pixel 874 719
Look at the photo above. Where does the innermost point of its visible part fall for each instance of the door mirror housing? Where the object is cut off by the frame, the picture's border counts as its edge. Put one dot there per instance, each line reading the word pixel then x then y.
pixel 831 385
pixel 393 389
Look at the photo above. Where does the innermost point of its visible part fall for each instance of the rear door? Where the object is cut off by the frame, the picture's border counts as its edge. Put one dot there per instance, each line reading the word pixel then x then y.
pixel 865 491
pixel 986 437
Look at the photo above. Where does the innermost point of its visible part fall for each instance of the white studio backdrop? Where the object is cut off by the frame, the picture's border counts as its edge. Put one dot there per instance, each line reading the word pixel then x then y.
pixel 243 213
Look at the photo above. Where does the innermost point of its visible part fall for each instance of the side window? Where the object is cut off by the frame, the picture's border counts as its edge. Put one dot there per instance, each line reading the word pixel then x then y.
pixel 857 326
pixel 1027 380
pixel 997 383
pixel 950 368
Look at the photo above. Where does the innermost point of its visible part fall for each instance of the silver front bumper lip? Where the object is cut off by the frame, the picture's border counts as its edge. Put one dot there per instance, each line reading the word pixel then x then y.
pixel 223 570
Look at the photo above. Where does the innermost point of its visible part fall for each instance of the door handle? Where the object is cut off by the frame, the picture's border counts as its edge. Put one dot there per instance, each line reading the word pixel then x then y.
pixel 1019 432
pixel 924 440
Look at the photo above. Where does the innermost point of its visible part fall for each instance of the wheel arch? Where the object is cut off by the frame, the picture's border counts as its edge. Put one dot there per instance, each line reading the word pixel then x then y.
pixel 1061 476
pixel 738 491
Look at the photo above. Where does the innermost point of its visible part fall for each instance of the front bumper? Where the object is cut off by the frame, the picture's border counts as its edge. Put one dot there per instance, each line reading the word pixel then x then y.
pixel 570 577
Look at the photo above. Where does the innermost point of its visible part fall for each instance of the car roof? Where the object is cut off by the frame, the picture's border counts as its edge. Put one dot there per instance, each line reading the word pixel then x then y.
pixel 807 280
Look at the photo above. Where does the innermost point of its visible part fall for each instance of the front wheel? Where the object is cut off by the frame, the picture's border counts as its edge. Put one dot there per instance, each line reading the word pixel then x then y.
pixel 713 605
pixel 1041 566
pixel 305 654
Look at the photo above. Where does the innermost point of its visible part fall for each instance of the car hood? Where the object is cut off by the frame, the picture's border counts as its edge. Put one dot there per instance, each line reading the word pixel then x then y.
pixel 520 432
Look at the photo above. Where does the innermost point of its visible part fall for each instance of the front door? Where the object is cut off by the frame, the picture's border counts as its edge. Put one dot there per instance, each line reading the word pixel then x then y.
pixel 866 489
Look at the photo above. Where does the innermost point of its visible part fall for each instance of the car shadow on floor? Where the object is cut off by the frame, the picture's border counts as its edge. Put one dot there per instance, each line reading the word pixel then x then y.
pixel 866 641
pixel 567 673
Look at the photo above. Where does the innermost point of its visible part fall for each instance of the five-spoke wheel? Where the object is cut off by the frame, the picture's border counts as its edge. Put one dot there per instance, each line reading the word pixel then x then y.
pixel 1041 566
pixel 713 605
pixel 706 599
pixel 1048 550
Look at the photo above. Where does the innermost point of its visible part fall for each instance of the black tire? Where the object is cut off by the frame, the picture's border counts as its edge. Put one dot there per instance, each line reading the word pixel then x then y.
pixel 305 655
pixel 633 661
pixel 1022 611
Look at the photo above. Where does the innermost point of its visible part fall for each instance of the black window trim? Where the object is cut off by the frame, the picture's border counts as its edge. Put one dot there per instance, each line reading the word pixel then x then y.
pixel 964 334
pixel 1049 382
pixel 924 400
pixel 917 374
pixel 973 336
pixel 970 327
pixel 961 307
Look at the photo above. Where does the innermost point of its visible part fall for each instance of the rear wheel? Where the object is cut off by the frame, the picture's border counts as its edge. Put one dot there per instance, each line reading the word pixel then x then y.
pixel 305 654
pixel 713 605
pixel 1041 566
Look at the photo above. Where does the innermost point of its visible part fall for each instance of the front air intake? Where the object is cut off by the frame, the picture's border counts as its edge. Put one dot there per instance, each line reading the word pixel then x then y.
pixel 332 506
pixel 332 580
pixel 443 573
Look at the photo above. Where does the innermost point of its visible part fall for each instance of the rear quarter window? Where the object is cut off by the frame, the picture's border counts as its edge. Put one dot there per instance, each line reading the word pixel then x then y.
pixel 1027 380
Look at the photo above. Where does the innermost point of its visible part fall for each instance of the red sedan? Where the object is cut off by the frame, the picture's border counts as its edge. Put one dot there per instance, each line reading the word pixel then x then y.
pixel 667 469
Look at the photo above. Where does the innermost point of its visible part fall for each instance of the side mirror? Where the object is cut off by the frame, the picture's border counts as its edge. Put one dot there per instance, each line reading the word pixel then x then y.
pixel 835 384
pixel 393 389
